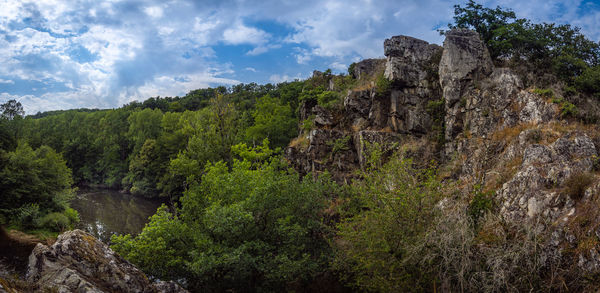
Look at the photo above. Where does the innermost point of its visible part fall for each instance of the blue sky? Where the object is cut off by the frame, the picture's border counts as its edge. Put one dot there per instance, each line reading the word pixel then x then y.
pixel 102 54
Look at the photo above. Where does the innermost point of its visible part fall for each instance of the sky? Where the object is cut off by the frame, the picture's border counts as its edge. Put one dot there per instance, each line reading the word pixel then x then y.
pixel 103 54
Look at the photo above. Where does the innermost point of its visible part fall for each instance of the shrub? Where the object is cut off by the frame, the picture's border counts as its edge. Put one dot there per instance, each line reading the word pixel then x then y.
pixel 589 80
pixel 328 99
pixel 383 85
pixel 546 93
pixel 481 203
pixel 577 183
pixel 309 123
pixel 28 216
pixel 340 144
pixel 567 109
pixel 72 215
pixel 55 222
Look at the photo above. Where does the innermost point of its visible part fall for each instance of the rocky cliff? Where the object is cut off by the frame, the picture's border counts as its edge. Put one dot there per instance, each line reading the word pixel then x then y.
pixel 482 125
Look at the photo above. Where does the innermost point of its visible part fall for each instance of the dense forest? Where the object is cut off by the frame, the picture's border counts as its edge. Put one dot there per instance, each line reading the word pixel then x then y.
pixel 241 219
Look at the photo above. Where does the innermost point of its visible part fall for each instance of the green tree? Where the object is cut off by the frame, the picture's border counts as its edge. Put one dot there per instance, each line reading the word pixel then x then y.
pixel 274 121
pixel 34 183
pixel 249 227
pixel 11 110
pixel 378 242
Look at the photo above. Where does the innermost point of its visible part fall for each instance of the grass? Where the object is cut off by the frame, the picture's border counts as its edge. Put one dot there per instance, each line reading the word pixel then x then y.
pixel 577 183
pixel 300 143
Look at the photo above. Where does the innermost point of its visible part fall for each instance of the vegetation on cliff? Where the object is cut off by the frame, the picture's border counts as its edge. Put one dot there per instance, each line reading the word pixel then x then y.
pixel 485 181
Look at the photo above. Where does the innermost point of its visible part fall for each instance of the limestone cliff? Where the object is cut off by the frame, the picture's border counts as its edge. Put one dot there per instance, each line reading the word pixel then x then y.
pixel 482 125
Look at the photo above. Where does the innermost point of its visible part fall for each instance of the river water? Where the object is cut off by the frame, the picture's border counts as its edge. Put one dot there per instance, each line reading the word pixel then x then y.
pixel 106 212
pixel 102 213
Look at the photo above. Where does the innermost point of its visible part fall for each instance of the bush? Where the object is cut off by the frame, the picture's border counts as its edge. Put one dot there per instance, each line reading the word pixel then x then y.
pixel 55 222
pixel 309 123
pixel 567 109
pixel 546 93
pixel 577 183
pixel 28 216
pixel 481 204
pixel 383 85
pixel 378 247
pixel 328 99
pixel 589 80
pixel 72 215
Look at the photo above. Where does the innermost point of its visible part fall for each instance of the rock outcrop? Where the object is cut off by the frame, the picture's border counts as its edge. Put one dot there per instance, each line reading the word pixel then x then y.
pixel 372 115
pixel 496 132
pixel 77 262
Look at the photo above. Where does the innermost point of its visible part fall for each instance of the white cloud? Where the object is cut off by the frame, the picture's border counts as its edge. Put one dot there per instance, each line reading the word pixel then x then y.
pixel 139 48
pixel 241 34
pixel 340 67
pixel 276 78
pixel 154 11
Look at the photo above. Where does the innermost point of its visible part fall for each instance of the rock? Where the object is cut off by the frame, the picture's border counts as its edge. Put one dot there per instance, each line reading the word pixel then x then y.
pixel 408 59
pixel 322 116
pixel 358 103
pixel 531 190
pixel 367 67
pixel 77 262
pixel 387 141
pixel 411 66
pixel 465 58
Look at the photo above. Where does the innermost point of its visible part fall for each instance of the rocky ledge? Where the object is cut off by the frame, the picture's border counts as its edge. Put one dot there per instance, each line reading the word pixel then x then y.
pixel 78 262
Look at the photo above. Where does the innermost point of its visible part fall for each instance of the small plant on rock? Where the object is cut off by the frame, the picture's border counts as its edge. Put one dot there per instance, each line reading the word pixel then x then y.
pixel 577 183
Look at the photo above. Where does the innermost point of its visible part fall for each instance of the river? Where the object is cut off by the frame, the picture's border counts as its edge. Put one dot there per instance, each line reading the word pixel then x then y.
pixel 106 212
pixel 102 213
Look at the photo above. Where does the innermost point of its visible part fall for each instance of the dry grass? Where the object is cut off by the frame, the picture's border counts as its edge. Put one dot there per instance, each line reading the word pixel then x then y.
pixel 508 134
pixel 300 143
pixel 576 185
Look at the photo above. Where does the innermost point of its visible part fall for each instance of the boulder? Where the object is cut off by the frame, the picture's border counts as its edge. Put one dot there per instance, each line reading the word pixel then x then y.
pixel 77 262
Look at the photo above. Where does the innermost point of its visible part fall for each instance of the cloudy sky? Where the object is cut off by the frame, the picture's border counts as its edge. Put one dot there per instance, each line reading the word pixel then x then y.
pixel 102 54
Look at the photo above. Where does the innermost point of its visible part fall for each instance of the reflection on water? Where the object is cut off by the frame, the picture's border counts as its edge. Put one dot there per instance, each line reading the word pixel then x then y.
pixel 105 212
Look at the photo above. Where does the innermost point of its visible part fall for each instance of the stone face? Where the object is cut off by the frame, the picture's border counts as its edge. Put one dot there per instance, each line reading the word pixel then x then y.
pixel 465 57
pixel 77 262
pixel 408 59
pixel 366 68
pixel 531 191
pixel 465 60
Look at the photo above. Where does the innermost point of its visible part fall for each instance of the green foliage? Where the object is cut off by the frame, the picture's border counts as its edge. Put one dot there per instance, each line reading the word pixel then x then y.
pixel 328 99
pixel 272 120
pixel 33 185
pixel 377 247
pixel 11 110
pixel 383 85
pixel 546 93
pixel 567 109
pixel 55 222
pixel 252 227
pixel 481 203
pixel 560 48
pixel 340 144
pixel 309 123
pixel 257 155
pixel 351 68
pixel 589 81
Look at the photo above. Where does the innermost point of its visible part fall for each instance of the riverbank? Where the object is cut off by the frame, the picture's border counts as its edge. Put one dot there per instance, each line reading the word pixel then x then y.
pixel 15 248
